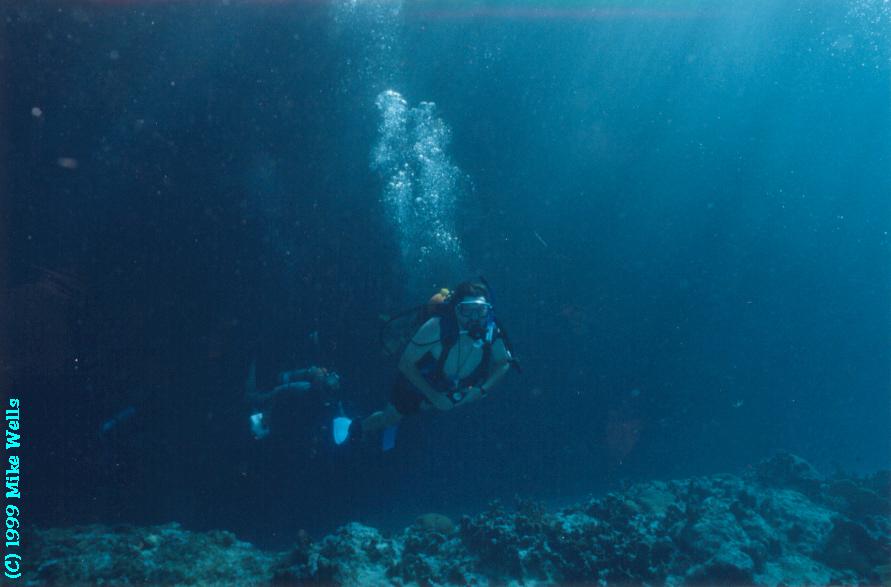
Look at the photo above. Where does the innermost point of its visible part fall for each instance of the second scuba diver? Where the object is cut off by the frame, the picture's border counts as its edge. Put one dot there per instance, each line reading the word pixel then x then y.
pixel 297 382
pixel 456 357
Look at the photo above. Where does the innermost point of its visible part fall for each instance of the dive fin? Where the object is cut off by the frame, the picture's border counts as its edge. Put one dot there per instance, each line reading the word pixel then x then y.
pixel 389 438
pixel 341 428
pixel 258 428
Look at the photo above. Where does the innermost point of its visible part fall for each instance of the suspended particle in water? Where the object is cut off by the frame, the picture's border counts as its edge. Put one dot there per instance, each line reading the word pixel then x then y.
pixel 67 162
pixel 36 112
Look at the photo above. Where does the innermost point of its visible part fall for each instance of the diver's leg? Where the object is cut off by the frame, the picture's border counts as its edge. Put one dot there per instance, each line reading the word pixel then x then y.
pixel 381 419
pixel 347 429
pixel 404 401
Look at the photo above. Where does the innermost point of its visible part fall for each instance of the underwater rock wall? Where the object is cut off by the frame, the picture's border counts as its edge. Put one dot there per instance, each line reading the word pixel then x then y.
pixel 780 523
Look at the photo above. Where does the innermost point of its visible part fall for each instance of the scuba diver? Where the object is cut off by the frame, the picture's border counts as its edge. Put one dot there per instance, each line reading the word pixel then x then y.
pixel 298 382
pixel 457 355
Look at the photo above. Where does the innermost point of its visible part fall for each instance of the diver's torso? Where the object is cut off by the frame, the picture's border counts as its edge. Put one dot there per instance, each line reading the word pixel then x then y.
pixel 463 358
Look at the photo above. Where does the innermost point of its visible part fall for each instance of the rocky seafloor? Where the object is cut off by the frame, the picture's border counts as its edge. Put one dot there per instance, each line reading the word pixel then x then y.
pixel 778 523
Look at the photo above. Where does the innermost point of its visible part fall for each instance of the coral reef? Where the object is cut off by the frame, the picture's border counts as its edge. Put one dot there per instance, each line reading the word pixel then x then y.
pixel 159 555
pixel 780 523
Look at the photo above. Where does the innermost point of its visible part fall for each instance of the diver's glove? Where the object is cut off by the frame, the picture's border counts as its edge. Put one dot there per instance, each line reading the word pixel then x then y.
pixel 443 401
pixel 465 395
pixel 472 394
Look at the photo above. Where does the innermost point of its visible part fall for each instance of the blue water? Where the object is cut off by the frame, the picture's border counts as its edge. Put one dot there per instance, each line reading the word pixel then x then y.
pixel 683 209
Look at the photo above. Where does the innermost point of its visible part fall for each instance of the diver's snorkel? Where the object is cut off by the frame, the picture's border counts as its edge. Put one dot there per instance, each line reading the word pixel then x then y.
pixel 490 317
pixel 492 323
pixel 490 326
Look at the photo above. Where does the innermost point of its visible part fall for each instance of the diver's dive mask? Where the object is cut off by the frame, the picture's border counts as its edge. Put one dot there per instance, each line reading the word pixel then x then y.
pixel 480 317
pixel 475 310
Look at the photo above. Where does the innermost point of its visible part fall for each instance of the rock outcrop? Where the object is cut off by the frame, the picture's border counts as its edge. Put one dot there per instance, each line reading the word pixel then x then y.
pixel 780 523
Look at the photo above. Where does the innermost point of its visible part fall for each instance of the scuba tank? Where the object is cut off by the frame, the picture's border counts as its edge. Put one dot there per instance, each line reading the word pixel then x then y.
pixel 399 328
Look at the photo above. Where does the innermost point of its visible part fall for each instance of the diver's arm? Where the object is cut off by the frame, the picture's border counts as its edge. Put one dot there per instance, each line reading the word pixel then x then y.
pixel 497 373
pixel 307 375
pixel 423 342
pixel 263 398
pixel 302 380
pixel 477 393
pixel 500 366
pixel 298 386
